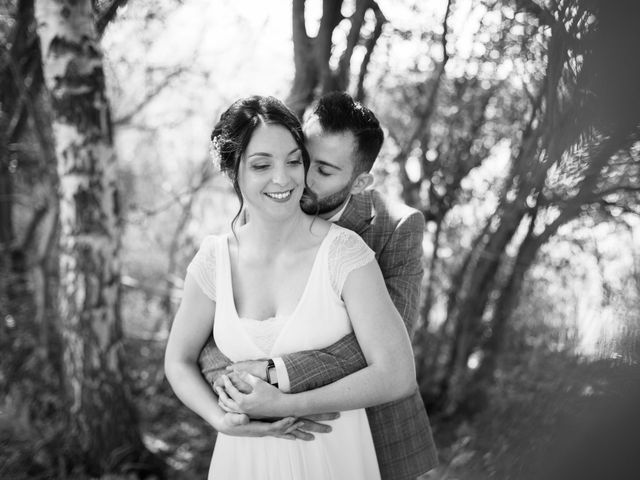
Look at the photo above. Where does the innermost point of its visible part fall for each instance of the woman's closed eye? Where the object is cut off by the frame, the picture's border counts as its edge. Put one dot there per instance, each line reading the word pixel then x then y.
pixel 295 160
pixel 260 166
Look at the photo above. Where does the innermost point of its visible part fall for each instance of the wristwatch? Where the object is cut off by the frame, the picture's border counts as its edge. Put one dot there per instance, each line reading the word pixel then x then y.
pixel 272 373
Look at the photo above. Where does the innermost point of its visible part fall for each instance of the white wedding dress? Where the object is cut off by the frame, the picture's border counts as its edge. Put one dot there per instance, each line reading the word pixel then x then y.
pixel 319 319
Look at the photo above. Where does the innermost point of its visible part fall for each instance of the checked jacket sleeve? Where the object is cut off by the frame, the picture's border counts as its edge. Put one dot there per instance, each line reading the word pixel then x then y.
pixel 400 260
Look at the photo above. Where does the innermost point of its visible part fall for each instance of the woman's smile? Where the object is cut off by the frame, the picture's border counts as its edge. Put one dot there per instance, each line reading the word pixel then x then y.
pixel 280 196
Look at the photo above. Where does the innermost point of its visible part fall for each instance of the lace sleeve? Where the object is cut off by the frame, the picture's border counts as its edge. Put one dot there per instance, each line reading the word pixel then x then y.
pixel 203 267
pixel 347 252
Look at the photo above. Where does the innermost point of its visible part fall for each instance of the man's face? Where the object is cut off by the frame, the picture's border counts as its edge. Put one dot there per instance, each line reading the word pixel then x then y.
pixel 330 174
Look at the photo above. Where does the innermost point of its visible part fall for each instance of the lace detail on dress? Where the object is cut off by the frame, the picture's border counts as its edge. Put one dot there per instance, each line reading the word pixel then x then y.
pixel 264 333
pixel 347 252
pixel 203 267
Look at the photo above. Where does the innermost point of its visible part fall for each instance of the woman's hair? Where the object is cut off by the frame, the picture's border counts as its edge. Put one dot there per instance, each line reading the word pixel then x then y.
pixel 232 134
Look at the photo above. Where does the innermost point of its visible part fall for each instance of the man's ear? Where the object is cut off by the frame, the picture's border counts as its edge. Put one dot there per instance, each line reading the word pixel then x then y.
pixel 362 181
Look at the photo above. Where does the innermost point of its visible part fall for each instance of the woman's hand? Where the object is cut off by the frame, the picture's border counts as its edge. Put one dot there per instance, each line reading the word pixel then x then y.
pixel 264 400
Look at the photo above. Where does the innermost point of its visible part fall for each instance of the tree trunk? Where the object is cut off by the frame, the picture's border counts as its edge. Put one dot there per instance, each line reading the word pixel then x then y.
pixel 312 56
pixel 471 302
pixel 102 421
pixel 476 392
pixel 18 56
pixel 6 202
pixel 306 75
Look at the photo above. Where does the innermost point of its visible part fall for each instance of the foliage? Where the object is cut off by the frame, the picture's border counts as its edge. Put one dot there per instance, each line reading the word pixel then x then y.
pixel 32 422
pixel 499 118
pixel 504 120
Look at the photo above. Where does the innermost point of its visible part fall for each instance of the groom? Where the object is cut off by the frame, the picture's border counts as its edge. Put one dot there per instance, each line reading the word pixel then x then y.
pixel 344 138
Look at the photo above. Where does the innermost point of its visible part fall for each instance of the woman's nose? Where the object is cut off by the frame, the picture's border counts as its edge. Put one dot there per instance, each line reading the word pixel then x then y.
pixel 280 176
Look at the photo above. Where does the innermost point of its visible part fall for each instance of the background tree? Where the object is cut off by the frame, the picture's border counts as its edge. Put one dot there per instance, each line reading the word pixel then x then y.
pixel 102 419
pixel 28 221
pixel 318 67
pixel 565 140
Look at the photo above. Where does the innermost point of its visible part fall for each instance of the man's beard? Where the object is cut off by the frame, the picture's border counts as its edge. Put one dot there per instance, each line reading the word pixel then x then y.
pixel 326 204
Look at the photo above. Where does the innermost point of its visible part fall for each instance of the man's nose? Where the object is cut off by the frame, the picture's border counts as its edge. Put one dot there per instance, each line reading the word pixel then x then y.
pixel 310 179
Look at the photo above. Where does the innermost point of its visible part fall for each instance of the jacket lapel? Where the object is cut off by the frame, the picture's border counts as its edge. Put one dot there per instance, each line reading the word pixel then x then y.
pixel 358 214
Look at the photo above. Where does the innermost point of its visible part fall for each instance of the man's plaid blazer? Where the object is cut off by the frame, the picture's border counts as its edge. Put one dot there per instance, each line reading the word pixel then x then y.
pixel 401 432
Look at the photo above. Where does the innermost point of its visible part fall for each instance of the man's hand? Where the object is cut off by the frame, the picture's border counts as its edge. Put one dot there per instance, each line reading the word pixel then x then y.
pixel 312 422
pixel 239 425
pixel 257 368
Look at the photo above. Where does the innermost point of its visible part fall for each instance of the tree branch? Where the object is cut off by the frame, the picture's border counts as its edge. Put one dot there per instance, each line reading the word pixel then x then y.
pixel 306 71
pixel 301 44
pixel 150 96
pixel 370 44
pixel 178 198
pixel 106 13
pixel 625 208
pixel 429 107
pixel 531 7
pixel 36 218
pixel 353 37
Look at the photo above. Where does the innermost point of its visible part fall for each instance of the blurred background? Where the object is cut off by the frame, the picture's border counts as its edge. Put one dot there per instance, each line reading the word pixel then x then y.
pixel 513 125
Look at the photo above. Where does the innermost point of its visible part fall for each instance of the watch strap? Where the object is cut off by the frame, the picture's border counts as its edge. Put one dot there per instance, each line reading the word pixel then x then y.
pixel 271 366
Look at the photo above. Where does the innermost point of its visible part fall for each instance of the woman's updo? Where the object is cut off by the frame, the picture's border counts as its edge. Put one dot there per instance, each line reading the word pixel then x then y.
pixel 232 133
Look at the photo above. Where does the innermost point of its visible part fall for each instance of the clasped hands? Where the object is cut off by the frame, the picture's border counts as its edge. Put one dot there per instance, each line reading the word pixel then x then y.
pixel 243 393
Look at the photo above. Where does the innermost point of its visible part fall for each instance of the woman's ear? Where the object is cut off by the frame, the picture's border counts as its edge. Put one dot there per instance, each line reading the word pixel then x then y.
pixel 362 181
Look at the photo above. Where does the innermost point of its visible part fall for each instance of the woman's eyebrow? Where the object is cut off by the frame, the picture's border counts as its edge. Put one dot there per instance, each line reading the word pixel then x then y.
pixel 260 154
pixel 267 154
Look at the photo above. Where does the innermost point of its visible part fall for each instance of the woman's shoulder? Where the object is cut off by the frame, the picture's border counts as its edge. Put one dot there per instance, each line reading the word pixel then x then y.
pixel 344 235
pixel 208 242
pixel 346 243
pixel 347 251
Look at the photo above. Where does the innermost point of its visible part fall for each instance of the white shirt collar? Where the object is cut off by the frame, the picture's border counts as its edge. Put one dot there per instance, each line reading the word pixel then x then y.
pixel 336 216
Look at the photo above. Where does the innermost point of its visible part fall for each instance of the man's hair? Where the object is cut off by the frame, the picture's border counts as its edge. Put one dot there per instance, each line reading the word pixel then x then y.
pixel 338 112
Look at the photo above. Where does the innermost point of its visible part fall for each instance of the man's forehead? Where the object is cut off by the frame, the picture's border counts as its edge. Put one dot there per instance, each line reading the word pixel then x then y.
pixel 344 140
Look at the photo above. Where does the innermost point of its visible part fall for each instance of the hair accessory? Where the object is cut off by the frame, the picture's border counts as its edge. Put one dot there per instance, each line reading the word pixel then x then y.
pixel 214 151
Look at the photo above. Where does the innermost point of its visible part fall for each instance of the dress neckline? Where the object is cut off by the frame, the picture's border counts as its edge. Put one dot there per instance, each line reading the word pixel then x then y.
pixel 304 291
pixel 275 318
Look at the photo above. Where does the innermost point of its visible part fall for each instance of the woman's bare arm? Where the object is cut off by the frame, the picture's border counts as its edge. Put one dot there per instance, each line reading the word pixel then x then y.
pixel 390 371
pixel 191 328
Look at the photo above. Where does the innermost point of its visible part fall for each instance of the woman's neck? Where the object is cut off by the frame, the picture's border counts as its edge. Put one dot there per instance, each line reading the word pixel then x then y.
pixel 272 236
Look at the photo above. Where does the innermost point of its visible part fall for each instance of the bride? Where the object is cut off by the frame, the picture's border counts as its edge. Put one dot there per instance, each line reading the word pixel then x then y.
pixel 284 282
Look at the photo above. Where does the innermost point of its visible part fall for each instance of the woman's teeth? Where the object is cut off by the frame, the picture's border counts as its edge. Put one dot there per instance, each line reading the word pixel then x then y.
pixel 279 195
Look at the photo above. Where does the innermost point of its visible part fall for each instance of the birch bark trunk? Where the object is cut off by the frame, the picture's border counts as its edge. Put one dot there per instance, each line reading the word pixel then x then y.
pixel 102 420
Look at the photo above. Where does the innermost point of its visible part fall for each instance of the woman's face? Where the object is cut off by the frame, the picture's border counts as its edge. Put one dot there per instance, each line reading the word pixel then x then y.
pixel 271 173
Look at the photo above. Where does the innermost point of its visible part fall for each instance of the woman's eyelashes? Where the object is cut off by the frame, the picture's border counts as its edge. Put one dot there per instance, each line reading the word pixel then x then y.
pixel 260 166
